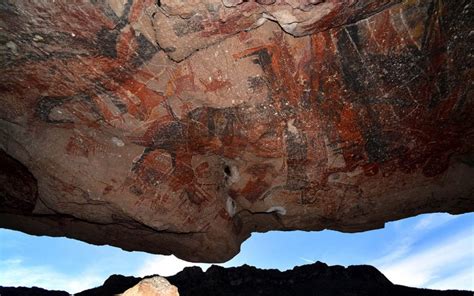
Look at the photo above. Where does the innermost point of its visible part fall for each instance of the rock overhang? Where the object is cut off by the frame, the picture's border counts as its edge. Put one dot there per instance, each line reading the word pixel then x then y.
pixel 185 126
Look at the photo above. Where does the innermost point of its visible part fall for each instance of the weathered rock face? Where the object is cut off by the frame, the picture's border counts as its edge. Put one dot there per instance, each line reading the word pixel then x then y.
pixel 154 286
pixel 182 126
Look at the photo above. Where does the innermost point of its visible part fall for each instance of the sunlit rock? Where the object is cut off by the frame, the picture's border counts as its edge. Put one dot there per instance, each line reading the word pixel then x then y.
pixel 154 286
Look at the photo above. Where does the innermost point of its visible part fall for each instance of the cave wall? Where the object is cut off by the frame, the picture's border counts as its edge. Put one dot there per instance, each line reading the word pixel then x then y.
pixel 180 127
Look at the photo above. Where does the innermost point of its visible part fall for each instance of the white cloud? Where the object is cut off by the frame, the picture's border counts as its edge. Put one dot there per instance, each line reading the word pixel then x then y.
pixel 165 265
pixel 409 234
pixel 402 248
pixel 462 280
pixel 423 268
pixel 432 221
pixel 14 273
pixel 307 260
pixel 435 267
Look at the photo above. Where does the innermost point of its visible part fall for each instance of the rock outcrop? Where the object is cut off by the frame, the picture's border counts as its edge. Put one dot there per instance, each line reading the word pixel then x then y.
pixel 154 286
pixel 180 127
pixel 314 279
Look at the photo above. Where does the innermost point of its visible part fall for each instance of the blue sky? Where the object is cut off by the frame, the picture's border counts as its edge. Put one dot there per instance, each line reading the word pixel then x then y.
pixel 433 250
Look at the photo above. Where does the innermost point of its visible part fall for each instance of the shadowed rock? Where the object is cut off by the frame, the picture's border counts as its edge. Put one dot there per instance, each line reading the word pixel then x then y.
pixel 314 279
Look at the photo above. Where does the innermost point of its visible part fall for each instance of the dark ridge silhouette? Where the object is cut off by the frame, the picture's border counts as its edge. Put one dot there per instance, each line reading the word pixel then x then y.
pixel 312 279
pixel 34 291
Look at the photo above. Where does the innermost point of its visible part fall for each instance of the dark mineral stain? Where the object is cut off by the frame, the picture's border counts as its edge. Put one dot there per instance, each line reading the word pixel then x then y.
pixel 219 122
pixel 429 25
pixel 188 26
pixel 136 190
pixel 137 164
pixel 353 31
pixel 169 49
pixel 146 50
pixel 46 104
pixel 375 146
pixel 296 148
pixel 211 126
pixel 102 90
pixel 107 38
pixel 170 137
pixel 255 83
pixel 119 104
pixel 106 9
pixel 54 45
pixel 107 42
pixel 264 59
pixel 352 67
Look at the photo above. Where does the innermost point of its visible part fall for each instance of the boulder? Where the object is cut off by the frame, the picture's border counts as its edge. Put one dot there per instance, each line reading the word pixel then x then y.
pixel 154 286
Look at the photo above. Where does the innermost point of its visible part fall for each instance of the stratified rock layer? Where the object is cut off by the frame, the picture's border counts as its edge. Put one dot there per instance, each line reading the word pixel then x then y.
pixel 183 126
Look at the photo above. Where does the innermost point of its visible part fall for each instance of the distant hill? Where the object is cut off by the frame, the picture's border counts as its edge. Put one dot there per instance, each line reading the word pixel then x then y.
pixel 312 279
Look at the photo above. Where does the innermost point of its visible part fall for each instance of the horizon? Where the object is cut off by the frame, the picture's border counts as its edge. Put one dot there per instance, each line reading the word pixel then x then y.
pixel 434 251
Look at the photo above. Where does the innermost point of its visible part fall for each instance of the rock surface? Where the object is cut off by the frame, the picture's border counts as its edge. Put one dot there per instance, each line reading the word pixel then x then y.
pixel 314 279
pixel 180 127
pixel 154 286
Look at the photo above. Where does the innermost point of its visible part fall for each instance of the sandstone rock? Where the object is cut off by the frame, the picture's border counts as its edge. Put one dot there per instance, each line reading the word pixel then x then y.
pixel 187 26
pixel 107 138
pixel 154 286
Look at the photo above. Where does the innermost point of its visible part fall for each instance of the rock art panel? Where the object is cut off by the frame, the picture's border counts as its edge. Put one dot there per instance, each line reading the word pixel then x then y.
pixel 181 127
